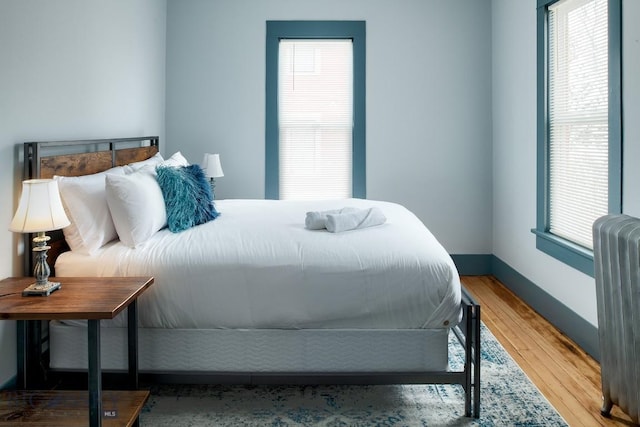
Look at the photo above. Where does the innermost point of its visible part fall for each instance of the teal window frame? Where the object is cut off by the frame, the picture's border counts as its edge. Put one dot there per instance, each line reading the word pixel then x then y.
pixel 562 249
pixel 277 30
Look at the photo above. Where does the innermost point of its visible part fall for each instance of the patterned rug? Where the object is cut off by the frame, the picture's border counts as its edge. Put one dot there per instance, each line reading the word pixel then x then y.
pixel 508 398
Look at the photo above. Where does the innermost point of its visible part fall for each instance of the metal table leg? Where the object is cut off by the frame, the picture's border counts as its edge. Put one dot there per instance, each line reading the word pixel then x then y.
pixel 95 375
pixel 132 327
pixel 21 381
pixel 132 333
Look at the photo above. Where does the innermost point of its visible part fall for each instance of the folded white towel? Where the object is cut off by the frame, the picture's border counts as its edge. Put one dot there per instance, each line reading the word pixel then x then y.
pixel 317 220
pixel 360 218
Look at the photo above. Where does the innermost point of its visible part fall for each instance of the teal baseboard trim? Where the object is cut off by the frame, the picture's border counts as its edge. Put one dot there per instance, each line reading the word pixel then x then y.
pixel 11 384
pixel 473 264
pixel 562 317
pixel 575 327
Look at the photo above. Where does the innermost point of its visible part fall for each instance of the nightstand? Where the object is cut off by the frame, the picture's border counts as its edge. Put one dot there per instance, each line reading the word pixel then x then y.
pixel 91 299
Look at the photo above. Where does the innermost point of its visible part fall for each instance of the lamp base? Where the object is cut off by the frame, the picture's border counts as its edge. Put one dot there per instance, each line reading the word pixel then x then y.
pixel 41 290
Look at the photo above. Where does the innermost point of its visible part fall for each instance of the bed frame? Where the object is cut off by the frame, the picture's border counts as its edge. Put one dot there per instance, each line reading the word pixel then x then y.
pixel 82 157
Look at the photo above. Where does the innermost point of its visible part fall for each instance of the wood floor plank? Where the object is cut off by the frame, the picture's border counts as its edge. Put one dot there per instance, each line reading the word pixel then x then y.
pixel 68 408
pixel 567 376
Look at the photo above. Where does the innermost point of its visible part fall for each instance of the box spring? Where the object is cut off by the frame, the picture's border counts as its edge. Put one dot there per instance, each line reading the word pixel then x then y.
pixel 265 350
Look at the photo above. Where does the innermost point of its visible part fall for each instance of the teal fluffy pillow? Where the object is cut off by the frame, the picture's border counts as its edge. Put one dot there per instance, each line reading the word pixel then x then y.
pixel 187 196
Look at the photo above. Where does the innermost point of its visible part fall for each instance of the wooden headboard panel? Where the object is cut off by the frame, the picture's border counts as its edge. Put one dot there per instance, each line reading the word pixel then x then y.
pixel 83 157
pixel 44 159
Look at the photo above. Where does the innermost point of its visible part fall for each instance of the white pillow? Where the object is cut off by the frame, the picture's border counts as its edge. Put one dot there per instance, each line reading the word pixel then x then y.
pixel 136 204
pixel 151 161
pixel 85 203
pixel 176 160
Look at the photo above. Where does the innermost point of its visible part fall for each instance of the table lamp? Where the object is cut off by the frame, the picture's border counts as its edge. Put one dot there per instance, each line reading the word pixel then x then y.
pixel 212 169
pixel 40 210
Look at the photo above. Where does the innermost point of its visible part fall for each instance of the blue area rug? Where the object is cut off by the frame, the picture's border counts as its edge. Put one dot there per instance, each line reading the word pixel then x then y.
pixel 508 399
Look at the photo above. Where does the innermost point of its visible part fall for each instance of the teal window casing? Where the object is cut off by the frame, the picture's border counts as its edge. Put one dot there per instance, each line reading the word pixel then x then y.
pixel 277 30
pixel 572 254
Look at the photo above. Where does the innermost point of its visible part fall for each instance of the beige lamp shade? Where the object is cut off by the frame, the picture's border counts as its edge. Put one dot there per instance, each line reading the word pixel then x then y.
pixel 40 208
pixel 211 166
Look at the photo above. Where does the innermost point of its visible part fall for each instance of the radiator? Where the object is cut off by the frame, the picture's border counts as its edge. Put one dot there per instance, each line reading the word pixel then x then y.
pixel 616 250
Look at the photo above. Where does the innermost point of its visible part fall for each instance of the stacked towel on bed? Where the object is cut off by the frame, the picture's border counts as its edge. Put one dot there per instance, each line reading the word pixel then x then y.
pixel 318 220
pixel 344 219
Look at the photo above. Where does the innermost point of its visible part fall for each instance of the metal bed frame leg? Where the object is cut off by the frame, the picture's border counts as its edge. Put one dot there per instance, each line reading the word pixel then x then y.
pixel 468 362
pixel 472 355
pixel 476 363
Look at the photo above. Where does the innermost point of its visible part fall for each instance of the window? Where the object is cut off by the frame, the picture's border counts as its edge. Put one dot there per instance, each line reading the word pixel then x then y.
pixel 315 109
pixel 579 125
pixel 315 118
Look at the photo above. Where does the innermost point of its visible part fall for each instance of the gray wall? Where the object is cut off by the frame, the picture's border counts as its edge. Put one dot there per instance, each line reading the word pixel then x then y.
pixel 72 69
pixel 428 101
pixel 514 149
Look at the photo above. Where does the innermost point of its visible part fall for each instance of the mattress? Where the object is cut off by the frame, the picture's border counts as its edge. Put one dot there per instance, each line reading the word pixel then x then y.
pixel 254 351
pixel 257 267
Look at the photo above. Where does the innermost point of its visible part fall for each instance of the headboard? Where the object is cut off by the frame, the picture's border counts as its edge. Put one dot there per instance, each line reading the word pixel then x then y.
pixel 44 159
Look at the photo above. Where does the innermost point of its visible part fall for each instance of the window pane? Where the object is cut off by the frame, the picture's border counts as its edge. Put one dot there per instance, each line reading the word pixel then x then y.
pixel 315 118
pixel 578 117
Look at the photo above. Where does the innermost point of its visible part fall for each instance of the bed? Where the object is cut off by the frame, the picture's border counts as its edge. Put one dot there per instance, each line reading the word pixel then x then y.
pixel 255 297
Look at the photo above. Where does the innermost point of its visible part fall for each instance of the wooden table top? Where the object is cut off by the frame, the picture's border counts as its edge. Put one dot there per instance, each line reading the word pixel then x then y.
pixel 77 298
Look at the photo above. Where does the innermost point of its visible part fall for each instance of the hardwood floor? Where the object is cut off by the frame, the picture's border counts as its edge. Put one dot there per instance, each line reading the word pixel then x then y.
pixel 567 376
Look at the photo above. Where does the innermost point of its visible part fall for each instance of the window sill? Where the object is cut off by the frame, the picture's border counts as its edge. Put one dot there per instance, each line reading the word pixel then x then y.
pixel 565 251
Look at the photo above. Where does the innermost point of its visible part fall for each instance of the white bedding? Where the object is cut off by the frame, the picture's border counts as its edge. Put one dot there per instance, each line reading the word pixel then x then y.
pixel 257 267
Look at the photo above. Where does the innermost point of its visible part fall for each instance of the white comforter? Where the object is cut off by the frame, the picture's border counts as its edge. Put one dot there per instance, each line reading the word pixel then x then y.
pixel 256 266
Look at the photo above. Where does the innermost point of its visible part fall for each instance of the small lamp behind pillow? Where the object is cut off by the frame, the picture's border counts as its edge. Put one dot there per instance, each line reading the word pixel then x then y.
pixel 212 169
